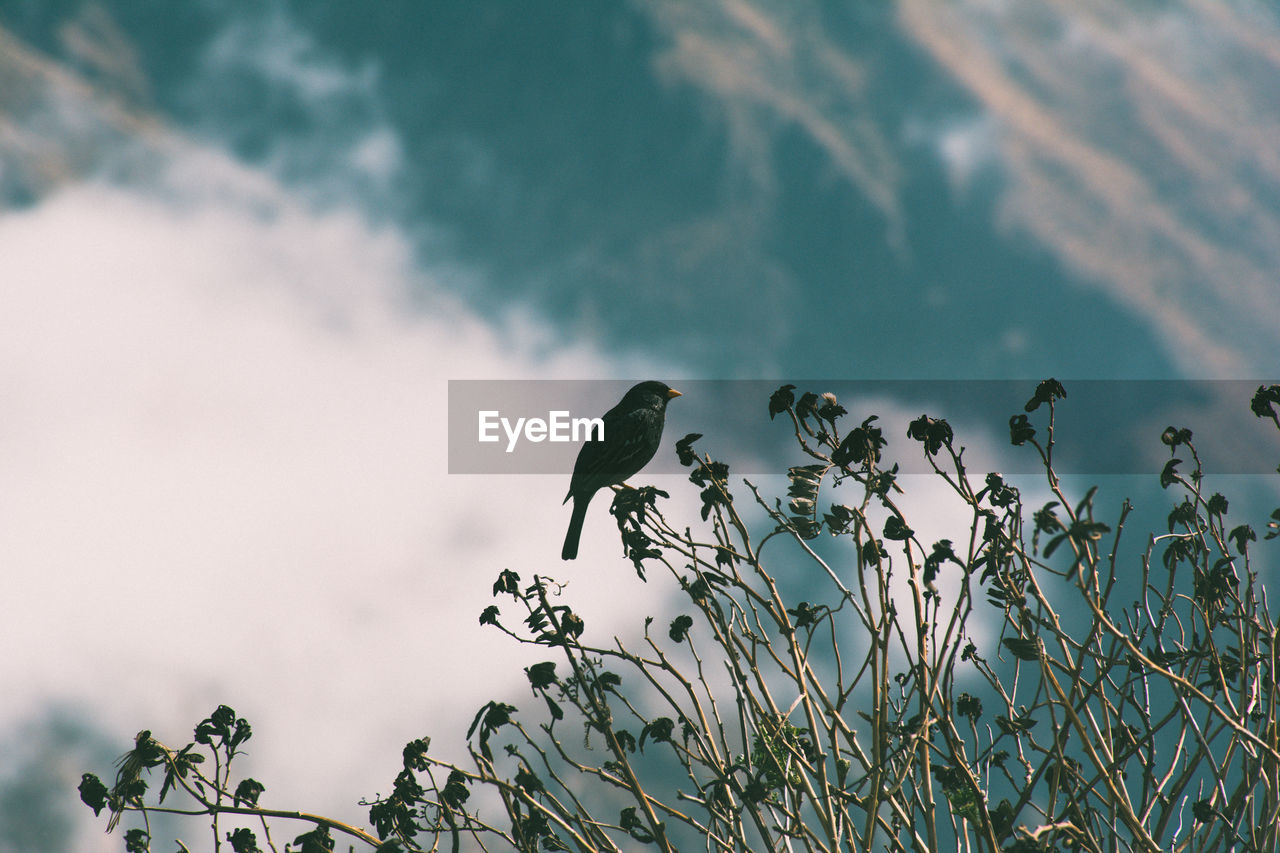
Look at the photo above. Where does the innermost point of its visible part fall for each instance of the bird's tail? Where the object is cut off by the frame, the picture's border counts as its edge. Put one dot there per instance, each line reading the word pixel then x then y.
pixel 570 549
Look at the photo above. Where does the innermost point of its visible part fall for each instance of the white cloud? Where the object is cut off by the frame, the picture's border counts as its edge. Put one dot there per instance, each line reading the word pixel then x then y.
pixel 224 458
pixel 965 145
pixel 223 443
pixel 265 84
pixel 272 46
pixel 966 148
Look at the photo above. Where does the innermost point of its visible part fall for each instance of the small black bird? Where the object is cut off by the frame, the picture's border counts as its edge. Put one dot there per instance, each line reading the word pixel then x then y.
pixel 632 432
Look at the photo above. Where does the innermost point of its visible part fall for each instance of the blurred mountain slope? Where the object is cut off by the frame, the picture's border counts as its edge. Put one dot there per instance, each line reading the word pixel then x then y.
pixel 1135 142
pixel 1140 141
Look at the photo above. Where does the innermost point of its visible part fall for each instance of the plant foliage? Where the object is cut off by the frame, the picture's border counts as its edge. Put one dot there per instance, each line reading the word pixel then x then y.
pixel 1020 686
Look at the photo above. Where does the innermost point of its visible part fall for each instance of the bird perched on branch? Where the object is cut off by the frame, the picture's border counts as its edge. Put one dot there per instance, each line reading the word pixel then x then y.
pixel 632 432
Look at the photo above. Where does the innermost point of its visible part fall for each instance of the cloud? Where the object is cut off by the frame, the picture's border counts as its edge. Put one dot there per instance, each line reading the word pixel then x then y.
pixel 268 89
pixel 966 145
pixel 224 444
pixel 224 456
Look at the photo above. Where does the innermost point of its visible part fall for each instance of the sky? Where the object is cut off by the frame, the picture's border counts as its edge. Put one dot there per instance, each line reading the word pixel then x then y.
pixel 244 247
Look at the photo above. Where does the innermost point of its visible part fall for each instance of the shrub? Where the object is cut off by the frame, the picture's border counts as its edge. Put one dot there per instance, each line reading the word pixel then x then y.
pixel 1021 686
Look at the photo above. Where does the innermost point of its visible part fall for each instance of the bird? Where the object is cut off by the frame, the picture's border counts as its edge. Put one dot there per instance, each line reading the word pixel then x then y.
pixel 632 433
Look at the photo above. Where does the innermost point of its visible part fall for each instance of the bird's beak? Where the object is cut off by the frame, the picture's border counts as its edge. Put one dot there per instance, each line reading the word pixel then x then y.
pixel 672 393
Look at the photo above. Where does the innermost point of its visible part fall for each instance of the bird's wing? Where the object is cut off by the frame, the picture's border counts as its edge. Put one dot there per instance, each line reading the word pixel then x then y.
pixel 627 446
